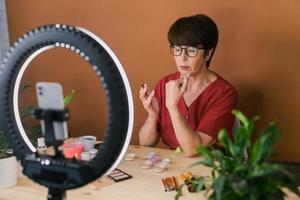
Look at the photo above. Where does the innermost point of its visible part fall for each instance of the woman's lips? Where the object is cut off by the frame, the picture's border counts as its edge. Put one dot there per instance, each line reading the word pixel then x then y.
pixel 184 67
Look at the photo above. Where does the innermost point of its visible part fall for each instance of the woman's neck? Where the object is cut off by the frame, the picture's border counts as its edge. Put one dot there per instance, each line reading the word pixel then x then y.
pixel 201 79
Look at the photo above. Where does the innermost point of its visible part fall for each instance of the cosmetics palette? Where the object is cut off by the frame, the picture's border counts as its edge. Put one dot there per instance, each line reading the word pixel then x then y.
pixel 118 175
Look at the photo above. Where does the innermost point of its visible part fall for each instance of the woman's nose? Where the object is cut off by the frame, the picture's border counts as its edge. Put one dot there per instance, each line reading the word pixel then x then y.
pixel 183 55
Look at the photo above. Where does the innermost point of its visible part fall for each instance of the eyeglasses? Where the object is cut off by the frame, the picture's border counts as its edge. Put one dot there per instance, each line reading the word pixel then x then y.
pixel 189 51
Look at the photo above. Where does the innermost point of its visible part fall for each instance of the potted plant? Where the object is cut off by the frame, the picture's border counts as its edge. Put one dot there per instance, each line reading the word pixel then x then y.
pixel 8 164
pixel 235 177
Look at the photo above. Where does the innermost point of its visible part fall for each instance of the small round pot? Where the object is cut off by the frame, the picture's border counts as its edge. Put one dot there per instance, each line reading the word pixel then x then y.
pixel 8 172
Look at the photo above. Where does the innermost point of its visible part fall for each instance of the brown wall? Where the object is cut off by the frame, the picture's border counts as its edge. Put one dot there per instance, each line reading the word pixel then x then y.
pixel 257 53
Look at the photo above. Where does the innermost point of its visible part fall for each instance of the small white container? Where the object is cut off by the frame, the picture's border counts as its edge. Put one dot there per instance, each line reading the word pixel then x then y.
pixel 85 156
pixel 150 155
pixel 159 167
pixel 130 156
pixel 8 172
pixel 146 164
pixel 93 153
pixel 166 161
pixel 88 142
pixel 41 146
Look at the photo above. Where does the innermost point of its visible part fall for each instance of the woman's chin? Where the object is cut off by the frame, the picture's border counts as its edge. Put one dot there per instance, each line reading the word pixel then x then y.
pixel 184 72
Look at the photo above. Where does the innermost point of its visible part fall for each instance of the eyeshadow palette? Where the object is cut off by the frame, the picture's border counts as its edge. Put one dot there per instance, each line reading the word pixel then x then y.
pixel 118 175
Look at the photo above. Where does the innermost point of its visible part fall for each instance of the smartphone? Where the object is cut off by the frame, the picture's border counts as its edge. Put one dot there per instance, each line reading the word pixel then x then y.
pixel 50 96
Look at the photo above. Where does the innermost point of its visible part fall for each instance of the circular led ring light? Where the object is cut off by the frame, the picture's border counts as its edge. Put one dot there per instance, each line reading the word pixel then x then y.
pixel 105 64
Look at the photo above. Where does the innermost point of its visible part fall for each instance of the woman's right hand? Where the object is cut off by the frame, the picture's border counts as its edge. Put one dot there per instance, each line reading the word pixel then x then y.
pixel 149 101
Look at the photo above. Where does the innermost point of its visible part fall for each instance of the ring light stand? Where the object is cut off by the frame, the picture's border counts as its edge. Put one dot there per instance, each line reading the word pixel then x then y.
pixel 55 172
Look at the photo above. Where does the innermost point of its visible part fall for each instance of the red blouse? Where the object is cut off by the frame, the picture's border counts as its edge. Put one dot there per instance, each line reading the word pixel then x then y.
pixel 210 112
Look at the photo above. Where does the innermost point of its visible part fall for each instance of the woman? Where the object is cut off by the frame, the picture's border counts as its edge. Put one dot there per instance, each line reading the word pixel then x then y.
pixel 190 106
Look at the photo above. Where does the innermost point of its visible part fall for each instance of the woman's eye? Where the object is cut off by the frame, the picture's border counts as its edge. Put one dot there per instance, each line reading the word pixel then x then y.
pixel 192 50
pixel 177 49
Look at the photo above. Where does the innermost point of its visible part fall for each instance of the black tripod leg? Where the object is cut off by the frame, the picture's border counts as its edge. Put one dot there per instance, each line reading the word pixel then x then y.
pixel 56 194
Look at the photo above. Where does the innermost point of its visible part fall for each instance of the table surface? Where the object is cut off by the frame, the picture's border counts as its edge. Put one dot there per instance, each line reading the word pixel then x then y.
pixel 145 184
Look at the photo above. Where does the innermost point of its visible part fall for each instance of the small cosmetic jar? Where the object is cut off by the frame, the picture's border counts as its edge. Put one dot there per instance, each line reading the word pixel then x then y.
pixel 155 159
pixel 85 156
pixel 72 149
pixel 130 156
pixel 159 167
pixel 166 161
pixel 93 153
pixel 146 164
pixel 88 142
pixel 150 155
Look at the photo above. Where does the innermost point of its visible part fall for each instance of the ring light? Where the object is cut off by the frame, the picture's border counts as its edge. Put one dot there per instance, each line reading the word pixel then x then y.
pixel 117 89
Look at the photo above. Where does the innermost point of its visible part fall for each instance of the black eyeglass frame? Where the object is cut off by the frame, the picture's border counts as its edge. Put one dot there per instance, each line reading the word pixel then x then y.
pixel 181 49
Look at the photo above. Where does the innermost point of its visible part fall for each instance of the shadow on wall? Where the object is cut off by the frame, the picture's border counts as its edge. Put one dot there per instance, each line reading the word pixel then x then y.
pixel 250 100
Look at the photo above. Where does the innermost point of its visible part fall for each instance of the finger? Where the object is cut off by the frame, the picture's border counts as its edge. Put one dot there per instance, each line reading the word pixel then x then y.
pixel 150 98
pixel 146 89
pixel 184 85
pixel 151 95
pixel 143 95
pixel 181 79
pixel 141 91
pixel 142 88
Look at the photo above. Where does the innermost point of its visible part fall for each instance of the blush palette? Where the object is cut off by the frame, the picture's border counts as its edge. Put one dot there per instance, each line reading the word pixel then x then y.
pixel 118 175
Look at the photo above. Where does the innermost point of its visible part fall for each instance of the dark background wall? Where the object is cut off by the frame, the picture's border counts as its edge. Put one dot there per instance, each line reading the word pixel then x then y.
pixel 257 52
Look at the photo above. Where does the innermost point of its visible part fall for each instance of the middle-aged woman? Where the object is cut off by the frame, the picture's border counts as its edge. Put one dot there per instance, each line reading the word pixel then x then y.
pixel 190 106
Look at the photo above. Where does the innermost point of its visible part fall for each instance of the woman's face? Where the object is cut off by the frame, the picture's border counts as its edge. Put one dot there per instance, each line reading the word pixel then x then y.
pixel 191 59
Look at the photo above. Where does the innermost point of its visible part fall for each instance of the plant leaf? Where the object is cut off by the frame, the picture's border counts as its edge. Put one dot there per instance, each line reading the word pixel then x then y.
pixel 204 152
pixel 208 158
pixel 218 186
pixel 199 182
pixel 263 146
pixel 241 117
pixel 69 97
pixel 239 186
pixel 179 192
pixel 23 88
pixel 3 145
pixel 205 162
pixel 25 112
pixel 226 142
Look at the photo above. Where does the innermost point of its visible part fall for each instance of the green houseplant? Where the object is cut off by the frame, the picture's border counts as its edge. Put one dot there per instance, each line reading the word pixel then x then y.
pixel 3 142
pixel 33 132
pixel 3 146
pixel 234 176
pixel 8 162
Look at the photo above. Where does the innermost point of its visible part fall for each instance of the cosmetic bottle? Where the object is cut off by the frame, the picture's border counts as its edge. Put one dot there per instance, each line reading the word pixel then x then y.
pixel 41 146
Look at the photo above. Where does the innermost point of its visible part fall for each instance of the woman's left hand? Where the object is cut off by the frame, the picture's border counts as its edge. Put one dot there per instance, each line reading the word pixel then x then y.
pixel 175 90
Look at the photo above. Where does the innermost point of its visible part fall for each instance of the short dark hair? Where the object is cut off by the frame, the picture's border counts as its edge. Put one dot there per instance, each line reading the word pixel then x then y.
pixel 194 31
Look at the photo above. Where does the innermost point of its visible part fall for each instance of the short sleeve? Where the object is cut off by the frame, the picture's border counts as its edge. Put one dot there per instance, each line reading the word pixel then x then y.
pixel 219 114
